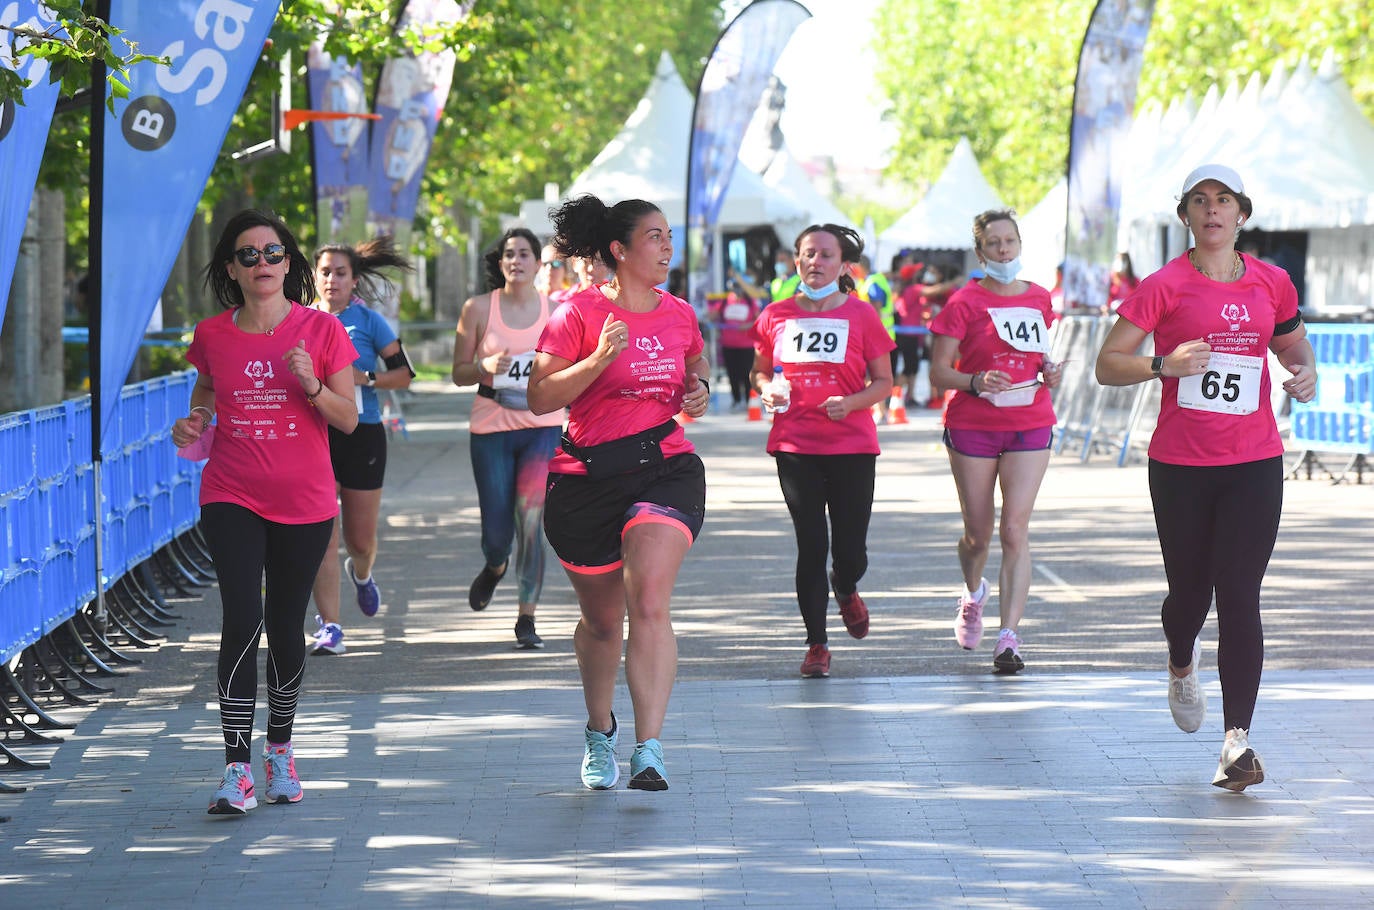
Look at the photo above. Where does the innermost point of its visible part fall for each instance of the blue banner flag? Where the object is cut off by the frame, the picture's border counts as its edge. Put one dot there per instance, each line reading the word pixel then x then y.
pixel 339 148
pixel 410 99
pixel 160 144
pixel 23 133
pixel 1103 105
pixel 731 86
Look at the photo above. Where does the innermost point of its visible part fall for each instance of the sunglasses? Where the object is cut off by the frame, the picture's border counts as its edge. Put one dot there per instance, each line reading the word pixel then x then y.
pixel 554 263
pixel 248 256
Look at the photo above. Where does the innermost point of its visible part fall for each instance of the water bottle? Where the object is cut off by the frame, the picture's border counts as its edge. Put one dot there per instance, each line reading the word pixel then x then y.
pixel 781 391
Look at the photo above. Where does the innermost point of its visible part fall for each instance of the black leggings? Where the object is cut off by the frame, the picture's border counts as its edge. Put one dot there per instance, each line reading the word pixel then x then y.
pixel 738 363
pixel 1217 527
pixel 811 484
pixel 244 545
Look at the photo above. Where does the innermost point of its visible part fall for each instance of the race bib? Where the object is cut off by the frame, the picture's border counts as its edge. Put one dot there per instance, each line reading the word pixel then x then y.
pixel 517 375
pixel 1022 327
pixel 735 312
pixel 1230 385
pixel 813 340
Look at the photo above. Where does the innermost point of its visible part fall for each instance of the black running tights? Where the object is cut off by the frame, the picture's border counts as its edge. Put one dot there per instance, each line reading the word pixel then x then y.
pixel 811 485
pixel 1217 527
pixel 244 547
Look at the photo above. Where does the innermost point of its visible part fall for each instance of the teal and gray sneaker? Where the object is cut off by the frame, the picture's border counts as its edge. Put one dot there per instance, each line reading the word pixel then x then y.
pixel 599 768
pixel 235 795
pixel 646 767
pixel 283 786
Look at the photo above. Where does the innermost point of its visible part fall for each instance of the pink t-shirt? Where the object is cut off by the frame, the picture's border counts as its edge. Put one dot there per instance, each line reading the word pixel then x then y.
pixel 735 313
pixel 487 416
pixel 1237 319
pixel 638 390
pixel 822 354
pixel 983 321
pixel 271 448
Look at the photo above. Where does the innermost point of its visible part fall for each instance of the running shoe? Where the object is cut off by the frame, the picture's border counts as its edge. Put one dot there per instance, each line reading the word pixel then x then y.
pixel 235 793
pixel 329 638
pixel 483 586
pixel 968 622
pixel 1239 766
pixel 646 767
pixel 852 610
pixel 816 664
pixel 526 639
pixel 599 768
pixel 1187 701
pixel 1006 657
pixel 283 786
pixel 369 598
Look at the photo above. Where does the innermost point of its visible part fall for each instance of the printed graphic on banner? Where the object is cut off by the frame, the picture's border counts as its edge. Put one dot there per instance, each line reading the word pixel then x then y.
pixel 1341 417
pixel 167 134
pixel 339 147
pixel 410 99
pixel 23 132
pixel 732 84
pixel 1103 104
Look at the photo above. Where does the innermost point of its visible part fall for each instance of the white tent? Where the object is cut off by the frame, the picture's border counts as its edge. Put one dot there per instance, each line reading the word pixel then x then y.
pixel 943 220
pixel 786 177
pixel 1042 235
pixel 648 160
pixel 1306 152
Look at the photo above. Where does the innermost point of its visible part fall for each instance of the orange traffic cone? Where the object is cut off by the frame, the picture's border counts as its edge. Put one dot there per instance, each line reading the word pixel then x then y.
pixel 683 418
pixel 896 407
pixel 755 407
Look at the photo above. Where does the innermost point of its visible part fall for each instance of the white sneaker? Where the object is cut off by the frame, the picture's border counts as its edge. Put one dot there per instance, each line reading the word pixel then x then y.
pixel 1187 701
pixel 1239 766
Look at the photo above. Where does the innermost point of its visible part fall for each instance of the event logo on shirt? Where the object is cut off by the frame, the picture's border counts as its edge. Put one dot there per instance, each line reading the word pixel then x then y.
pixel 1235 314
pixel 259 371
pixel 649 347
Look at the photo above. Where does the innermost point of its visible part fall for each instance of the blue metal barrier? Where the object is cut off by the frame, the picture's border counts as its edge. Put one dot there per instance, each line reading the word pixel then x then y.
pixel 48 510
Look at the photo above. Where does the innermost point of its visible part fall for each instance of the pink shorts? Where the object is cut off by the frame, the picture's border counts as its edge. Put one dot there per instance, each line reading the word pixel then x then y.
pixel 992 443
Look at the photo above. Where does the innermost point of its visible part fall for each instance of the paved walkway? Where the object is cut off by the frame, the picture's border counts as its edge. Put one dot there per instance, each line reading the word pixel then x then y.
pixel 440 765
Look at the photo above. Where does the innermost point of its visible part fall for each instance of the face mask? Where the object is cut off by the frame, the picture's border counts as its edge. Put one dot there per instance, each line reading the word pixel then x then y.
pixel 1003 272
pixel 819 293
pixel 780 269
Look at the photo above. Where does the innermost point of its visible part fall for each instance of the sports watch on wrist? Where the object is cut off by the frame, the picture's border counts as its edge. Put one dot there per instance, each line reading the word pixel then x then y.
pixel 371 378
pixel 1157 367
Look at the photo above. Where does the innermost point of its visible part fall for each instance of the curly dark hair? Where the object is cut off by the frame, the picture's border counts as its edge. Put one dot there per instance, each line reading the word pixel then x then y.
pixel 851 246
pixel 300 277
pixel 492 258
pixel 366 261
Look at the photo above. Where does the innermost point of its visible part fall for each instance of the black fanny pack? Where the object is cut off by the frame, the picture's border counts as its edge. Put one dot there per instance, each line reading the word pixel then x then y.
pixel 512 399
pixel 621 456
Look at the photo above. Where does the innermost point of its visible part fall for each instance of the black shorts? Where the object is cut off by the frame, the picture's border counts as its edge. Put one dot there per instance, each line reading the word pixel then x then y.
pixel 359 458
pixel 584 519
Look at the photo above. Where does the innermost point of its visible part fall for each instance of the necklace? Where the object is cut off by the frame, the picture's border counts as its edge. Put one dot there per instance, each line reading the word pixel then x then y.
pixel 270 329
pixel 1235 270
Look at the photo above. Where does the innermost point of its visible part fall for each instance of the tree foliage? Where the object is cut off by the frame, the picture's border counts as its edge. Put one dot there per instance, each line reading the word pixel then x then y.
pixel 538 89
pixel 1003 75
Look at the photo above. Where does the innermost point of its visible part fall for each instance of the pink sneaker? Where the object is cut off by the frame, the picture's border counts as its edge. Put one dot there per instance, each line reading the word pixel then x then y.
pixel 968 622
pixel 816 664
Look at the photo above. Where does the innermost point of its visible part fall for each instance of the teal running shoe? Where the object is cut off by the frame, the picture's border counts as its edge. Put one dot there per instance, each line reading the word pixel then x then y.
pixel 235 795
pixel 283 786
pixel 646 767
pixel 599 768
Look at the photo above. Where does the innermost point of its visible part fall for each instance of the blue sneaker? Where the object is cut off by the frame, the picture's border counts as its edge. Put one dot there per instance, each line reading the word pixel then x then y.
pixel 369 598
pixel 599 768
pixel 329 639
pixel 283 786
pixel 235 793
pixel 646 767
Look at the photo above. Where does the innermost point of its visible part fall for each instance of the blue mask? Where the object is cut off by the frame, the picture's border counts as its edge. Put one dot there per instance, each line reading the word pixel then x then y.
pixel 1003 272
pixel 818 293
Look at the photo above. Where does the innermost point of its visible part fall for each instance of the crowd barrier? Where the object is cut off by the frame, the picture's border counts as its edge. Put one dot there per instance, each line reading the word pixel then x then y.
pixel 48 495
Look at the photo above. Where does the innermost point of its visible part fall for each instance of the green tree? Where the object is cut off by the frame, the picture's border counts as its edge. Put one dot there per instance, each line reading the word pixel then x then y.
pixel 1003 75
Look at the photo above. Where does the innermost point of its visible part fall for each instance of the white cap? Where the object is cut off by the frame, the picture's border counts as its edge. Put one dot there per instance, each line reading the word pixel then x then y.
pixel 1218 172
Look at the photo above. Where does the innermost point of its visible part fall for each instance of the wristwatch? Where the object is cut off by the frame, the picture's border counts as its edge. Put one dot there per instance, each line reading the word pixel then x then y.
pixel 371 378
pixel 1157 367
